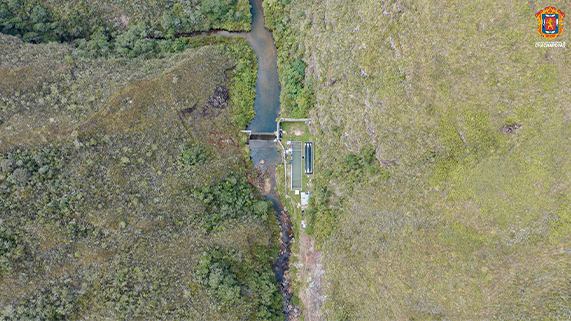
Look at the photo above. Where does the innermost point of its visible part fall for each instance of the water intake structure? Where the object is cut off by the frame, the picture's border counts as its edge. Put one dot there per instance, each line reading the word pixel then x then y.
pixel 264 151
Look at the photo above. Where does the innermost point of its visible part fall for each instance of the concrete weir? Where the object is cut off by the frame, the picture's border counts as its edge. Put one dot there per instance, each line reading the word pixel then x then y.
pixel 260 135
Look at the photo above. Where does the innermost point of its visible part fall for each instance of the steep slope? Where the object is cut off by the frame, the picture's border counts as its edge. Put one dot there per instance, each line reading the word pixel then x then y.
pixel 123 189
pixel 442 168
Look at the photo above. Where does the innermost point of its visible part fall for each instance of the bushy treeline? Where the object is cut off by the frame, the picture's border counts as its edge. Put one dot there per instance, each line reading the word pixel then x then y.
pixel 297 92
pixel 90 28
pixel 229 278
pixel 232 199
pixel 12 249
pixel 35 23
pixel 320 218
pixel 208 14
pixel 242 87
pixel 57 300
pixel 55 205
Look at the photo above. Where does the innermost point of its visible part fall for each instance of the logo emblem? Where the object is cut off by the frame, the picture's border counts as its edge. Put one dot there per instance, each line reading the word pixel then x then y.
pixel 550 22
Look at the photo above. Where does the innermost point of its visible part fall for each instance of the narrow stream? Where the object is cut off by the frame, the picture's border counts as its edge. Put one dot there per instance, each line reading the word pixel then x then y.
pixel 265 153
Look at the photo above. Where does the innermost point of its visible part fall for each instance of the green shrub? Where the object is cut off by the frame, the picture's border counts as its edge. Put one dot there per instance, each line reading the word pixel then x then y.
pixel 309 230
pixel 295 301
pixel 352 162
pixel 11 248
pixel 57 300
pixel 214 273
pixel 297 94
pixel 228 278
pixel 232 199
pixel 365 159
pixel 193 155
pixel 372 170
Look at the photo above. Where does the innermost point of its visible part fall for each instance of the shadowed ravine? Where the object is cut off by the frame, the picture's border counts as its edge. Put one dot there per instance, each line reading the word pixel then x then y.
pixel 264 154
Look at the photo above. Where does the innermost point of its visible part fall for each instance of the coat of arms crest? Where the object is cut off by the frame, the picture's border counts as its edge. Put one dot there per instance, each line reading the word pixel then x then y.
pixel 550 22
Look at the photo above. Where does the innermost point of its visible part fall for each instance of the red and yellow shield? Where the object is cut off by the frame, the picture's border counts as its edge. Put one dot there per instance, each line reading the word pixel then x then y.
pixel 550 22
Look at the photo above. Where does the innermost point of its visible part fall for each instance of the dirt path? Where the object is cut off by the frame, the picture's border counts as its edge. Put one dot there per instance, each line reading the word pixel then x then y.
pixel 310 276
pixel 309 265
pixel 309 273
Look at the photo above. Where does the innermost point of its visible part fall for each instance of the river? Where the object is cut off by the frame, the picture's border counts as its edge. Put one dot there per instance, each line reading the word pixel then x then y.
pixel 264 153
pixel 267 108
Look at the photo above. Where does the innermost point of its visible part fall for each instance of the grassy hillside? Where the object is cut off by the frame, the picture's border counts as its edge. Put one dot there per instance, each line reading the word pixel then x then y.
pixel 464 210
pixel 123 190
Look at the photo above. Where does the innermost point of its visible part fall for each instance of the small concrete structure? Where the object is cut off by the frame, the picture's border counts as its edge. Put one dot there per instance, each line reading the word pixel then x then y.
pixel 305 198
pixel 260 135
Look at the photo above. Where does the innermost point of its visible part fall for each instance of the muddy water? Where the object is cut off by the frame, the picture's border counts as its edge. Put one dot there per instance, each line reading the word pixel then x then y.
pixel 266 151
pixel 265 154
pixel 267 102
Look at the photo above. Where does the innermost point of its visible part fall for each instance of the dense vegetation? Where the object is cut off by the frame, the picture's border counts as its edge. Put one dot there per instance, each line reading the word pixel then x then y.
pixel 113 186
pixel 225 274
pixel 137 28
pixel 45 20
pixel 466 215
pixel 230 199
pixel 296 95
